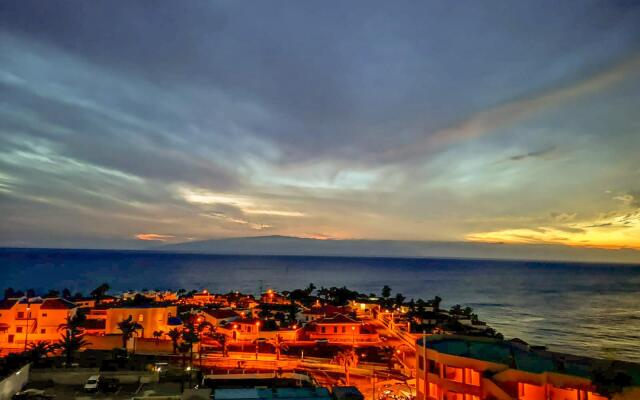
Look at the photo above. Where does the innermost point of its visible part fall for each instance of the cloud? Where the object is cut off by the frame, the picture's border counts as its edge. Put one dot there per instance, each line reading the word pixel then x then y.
pixel 533 154
pixel 153 237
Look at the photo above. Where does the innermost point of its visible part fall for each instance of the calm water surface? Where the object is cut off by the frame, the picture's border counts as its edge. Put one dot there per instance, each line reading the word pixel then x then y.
pixel 577 308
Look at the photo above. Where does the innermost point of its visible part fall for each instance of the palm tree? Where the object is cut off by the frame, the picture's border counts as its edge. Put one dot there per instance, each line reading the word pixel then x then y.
pixel 37 351
pixel 128 327
pixel 190 336
pixel 74 323
pixel 158 335
pixel 175 335
pixel 279 345
pixel 99 292
pixel 69 343
pixel 347 359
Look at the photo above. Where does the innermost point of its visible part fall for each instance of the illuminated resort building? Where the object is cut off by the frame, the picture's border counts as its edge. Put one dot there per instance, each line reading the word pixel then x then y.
pixel 469 368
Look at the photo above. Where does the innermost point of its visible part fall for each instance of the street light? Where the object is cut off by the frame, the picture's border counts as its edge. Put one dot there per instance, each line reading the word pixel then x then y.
pixel 257 337
pixel 26 329
pixel 353 334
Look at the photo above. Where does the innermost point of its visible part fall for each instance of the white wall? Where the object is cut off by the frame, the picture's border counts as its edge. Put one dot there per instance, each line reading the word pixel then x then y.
pixel 14 383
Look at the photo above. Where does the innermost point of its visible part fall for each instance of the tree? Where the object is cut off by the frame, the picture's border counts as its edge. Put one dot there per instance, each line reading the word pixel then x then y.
pixel 310 289
pixel 386 291
pixel 158 335
pixel 66 293
pixel 99 292
pixel 456 310
pixel 436 303
pixel 399 301
pixel 128 327
pixel 70 342
pixel 347 358
pixel 175 335
pixel 9 293
pixel 74 323
pixel 279 345
pixel 53 294
pixel 37 351
pixel 190 337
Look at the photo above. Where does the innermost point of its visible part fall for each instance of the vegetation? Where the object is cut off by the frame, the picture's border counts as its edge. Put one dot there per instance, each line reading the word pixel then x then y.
pixel 128 327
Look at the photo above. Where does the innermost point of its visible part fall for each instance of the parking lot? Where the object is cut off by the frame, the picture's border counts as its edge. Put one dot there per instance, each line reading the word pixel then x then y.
pixel 124 391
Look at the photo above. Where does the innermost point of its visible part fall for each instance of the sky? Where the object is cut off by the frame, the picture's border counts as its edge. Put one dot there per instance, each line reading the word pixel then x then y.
pixel 150 122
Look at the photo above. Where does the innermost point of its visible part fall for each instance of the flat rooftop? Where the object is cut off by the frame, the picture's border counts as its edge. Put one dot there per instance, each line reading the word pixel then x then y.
pixel 521 357
pixel 311 393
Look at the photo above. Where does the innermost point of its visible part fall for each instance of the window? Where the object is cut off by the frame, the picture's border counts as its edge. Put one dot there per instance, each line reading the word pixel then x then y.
pixel 44 314
pixel 453 373
pixel 335 329
pixel 433 390
pixel 20 314
pixel 43 331
pixel 323 329
pixel 421 362
pixel 344 329
pixel 140 317
pixel 19 329
pixel 471 377
pixel 249 328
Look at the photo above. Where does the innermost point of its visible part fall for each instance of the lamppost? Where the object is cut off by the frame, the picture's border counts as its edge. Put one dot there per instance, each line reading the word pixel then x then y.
pixel 257 338
pixel 26 329
pixel 353 334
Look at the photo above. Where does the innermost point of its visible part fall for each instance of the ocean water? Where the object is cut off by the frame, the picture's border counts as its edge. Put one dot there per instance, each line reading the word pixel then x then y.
pixel 588 309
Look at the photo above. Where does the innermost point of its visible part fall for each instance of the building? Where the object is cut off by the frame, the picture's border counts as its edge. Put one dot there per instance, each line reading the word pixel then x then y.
pixel 220 316
pixel 454 367
pixel 340 328
pixel 302 393
pixel 320 311
pixel 24 321
pixel 273 297
pixel 152 318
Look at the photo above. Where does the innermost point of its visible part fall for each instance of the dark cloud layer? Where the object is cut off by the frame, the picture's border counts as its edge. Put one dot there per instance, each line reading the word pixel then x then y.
pixel 226 118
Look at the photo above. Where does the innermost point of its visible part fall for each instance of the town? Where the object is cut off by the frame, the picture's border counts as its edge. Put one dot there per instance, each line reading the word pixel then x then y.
pixel 311 343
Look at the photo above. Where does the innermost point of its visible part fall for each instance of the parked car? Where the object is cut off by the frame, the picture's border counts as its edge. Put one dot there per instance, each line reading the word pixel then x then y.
pixel 32 394
pixel 92 384
pixel 108 385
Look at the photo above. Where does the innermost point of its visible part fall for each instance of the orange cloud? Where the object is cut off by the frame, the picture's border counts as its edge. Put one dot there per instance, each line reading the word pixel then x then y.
pixel 153 236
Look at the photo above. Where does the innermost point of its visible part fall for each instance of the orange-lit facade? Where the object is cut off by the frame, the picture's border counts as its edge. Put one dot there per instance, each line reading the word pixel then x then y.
pixel 31 321
pixel 442 374
pixel 151 319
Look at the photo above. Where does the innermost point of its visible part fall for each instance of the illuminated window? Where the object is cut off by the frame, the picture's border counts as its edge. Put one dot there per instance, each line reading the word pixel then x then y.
pixel 433 390
pixel 453 373
pixel 454 396
pixel 140 318
pixel 471 377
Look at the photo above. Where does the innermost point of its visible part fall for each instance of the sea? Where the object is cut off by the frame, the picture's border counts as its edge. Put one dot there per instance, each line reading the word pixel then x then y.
pixel 579 308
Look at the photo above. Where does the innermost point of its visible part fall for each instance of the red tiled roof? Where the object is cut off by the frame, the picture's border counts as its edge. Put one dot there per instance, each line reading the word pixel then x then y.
pixel 57 304
pixel 337 319
pixel 222 314
pixel 327 310
pixel 248 321
pixel 7 304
